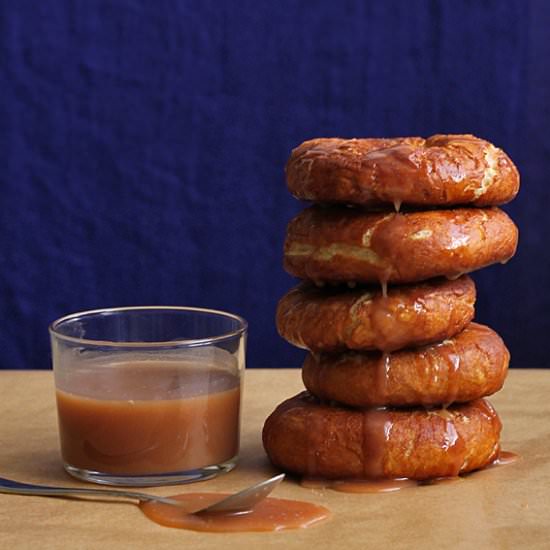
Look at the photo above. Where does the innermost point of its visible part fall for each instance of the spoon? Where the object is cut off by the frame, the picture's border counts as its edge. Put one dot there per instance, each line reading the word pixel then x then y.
pixel 241 502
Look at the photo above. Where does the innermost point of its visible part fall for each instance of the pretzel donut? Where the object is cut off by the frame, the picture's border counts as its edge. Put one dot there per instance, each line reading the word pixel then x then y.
pixel 349 244
pixel 442 170
pixel 307 438
pixel 334 319
pixel 471 365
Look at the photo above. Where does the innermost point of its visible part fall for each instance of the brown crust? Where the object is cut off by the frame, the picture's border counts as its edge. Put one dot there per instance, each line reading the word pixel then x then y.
pixel 441 170
pixel 349 244
pixel 306 438
pixel 471 365
pixel 335 319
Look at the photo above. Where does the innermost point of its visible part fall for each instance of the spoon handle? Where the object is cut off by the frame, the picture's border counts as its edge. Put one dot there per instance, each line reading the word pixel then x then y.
pixel 14 487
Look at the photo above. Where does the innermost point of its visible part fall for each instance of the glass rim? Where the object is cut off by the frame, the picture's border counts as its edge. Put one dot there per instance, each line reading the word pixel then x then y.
pixel 189 342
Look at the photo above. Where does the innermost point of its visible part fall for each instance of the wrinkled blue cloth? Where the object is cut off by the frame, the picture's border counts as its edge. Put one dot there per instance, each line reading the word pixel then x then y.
pixel 143 146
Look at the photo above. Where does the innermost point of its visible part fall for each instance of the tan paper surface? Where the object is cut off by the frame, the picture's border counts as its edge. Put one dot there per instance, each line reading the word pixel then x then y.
pixel 501 508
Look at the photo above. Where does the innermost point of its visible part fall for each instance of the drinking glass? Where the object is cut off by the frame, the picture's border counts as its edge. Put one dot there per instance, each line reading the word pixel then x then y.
pixel 148 395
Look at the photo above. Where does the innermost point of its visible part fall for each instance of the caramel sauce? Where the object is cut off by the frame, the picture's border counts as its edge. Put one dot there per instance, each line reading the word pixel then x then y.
pixel 444 360
pixel 381 485
pixel 271 514
pixel 391 330
pixel 315 426
pixel 455 276
pixel 311 459
pixel 377 427
pixel 146 417
pixel 490 412
pixel 452 358
pixel 360 485
pixel 373 486
pixel 454 444
pixel 382 375
pixel 505 457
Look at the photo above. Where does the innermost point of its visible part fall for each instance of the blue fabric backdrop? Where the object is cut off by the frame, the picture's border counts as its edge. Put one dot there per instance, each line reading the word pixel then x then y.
pixel 143 146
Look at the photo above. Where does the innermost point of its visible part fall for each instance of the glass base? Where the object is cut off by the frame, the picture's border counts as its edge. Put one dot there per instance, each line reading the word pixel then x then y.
pixel 151 480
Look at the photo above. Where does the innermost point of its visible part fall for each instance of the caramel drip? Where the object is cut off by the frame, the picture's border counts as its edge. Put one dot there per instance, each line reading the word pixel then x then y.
pixel 381 485
pixel 455 276
pixel 453 444
pixel 382 376
pixel 496 425
pixel 387 272
pixel 430 357
pixel 376 429
pixel 452 358
pixel 322 366
pixel 373 485
pixel 311 455
pixel 489 412
pixel 506 457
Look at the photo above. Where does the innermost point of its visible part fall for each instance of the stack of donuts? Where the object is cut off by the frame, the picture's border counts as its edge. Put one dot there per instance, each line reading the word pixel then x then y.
pixel 396 371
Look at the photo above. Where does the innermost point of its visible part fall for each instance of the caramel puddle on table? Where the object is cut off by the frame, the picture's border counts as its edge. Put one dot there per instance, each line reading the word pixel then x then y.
pixel 272 514
pixel 392 485
pixel 504 458
pixel 360 485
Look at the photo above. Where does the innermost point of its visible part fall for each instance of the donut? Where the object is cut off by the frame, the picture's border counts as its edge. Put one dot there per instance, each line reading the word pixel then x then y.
pixel 471 365
pixel 307 438
pixel 443 170
pixel 349 244
pixel 335 318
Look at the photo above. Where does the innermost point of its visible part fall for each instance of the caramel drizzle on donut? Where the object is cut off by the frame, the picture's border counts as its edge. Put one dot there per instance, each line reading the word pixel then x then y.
pixel 377 426
pixel 382 375
pixel 452 359
pixel 453 443
pixel 311 445
pixel 392 485
pixel 364 170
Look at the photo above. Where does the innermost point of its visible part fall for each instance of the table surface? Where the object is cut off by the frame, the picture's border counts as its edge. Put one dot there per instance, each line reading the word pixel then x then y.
pixel 505 507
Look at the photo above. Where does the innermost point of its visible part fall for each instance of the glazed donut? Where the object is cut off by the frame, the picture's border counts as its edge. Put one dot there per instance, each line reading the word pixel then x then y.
pixel 471 365
pixel 442 170
pixel 335 318
pixel 307 438
pixel 349 244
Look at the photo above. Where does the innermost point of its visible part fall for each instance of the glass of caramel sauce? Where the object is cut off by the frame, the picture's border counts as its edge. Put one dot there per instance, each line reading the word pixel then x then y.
pixel 148 395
